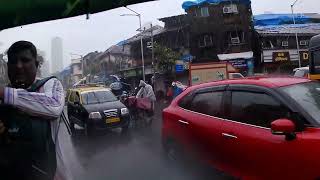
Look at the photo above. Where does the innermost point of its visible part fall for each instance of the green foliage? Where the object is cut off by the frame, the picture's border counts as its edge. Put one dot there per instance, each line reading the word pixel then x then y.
pixel 165 57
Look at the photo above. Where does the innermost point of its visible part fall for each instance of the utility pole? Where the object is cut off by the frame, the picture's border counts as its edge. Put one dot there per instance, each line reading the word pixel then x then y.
pixel 153 60
pixel 296 33
pixel 141 38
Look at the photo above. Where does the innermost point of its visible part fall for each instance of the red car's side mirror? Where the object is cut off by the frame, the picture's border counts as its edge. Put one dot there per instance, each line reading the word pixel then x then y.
pixel 284 127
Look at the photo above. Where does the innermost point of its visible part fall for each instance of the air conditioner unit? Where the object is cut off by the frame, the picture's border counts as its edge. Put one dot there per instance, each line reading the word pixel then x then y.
pixel 285 43
pixel 235 40
pixel 230 9
pixel 227 10
pixel 303 43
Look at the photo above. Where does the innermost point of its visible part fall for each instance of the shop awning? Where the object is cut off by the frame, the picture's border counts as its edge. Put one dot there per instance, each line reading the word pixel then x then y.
pixel 21 12
pixel 243 55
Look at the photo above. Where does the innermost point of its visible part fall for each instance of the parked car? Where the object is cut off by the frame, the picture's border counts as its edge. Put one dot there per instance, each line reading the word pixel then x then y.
pixel 235 76
pixel 301 72
pixel 96 108
pixel 255 128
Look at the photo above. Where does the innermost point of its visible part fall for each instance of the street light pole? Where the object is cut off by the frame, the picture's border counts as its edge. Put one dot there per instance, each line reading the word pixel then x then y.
pixel 296 33
pixel 153 63
pixel 142 53
pixel 141 40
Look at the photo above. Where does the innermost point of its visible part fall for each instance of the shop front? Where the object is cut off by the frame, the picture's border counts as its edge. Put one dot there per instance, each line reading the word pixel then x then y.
pixel 283 62
pixel 242 62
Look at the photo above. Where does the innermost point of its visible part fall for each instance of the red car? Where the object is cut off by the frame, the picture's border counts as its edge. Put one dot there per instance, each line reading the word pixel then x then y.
pixel 256 128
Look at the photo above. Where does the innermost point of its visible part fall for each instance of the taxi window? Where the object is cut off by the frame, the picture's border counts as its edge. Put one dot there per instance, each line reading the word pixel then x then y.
pixel 72 95
pixel 98 97
pixel 77 97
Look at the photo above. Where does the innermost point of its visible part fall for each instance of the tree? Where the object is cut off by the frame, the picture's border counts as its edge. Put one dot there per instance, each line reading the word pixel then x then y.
pixel 165 57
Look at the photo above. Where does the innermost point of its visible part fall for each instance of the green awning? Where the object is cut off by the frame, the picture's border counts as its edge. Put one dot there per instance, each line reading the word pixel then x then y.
pixel 21 12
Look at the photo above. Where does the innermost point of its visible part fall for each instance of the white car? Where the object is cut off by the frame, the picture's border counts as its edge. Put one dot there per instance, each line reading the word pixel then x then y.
pixel 235 76
pixel 301 72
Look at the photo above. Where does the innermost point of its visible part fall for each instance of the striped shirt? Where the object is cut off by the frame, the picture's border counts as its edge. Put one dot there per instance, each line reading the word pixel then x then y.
pixel 47 103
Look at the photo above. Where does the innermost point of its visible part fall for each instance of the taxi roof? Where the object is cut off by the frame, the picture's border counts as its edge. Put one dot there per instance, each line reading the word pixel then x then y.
pixel 88 89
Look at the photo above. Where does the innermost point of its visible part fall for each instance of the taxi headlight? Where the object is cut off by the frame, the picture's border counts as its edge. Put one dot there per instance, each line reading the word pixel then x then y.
pixel 95 115
pixel 124 111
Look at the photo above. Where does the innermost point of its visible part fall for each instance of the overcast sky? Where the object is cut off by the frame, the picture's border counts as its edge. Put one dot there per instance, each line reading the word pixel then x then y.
pixel 81 36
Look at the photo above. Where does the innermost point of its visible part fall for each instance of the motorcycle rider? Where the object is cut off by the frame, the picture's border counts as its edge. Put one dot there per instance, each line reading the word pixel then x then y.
pixel 146 91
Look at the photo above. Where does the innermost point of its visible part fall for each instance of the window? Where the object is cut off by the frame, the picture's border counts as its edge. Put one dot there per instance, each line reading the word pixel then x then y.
pixel 98 97
pixel 256 108
pixel 77 97
pixel 285 43
pixel 208 40
pixel 204 11
pixel 205 40
pixel 307 95
pixel 208 103
pixel 202 42
pixel 235 37
pixel 72 96
pixel 185 101
pixel 304 43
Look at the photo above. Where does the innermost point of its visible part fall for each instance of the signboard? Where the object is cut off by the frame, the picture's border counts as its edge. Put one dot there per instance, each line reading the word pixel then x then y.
pixel 179 68
pixel 304 55
pixel 280 56
pixel 201 73
pixel 238 63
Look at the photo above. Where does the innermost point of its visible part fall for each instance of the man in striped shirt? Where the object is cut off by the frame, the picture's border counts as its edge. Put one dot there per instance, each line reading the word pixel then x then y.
pixel 46 103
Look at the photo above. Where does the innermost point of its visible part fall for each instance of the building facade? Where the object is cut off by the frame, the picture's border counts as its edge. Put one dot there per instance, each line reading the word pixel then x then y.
pixel 76 70
pixel 220 31
pixel 279 52
pixel 212 32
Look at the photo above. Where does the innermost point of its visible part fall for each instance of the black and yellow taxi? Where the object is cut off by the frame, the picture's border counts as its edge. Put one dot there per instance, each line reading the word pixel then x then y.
pixel 94 108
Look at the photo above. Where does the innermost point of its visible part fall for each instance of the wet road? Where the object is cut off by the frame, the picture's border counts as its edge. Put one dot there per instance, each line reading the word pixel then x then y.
pixel 137 155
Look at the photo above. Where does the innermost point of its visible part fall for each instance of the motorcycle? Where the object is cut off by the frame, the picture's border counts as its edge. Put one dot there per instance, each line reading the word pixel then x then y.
pixel 141 110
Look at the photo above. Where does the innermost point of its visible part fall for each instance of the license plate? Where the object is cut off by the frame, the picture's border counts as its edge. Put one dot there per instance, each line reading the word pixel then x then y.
pixel 112 120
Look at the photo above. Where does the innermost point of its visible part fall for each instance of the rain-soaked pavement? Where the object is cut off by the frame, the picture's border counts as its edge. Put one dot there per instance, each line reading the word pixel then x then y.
pixel 137 155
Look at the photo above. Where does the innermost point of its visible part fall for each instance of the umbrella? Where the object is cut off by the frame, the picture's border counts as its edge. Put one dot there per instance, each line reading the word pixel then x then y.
pixel 21 12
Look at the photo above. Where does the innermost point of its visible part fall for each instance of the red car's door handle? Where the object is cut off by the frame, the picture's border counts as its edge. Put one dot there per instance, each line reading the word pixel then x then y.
pixel 183 122
pixel 229 136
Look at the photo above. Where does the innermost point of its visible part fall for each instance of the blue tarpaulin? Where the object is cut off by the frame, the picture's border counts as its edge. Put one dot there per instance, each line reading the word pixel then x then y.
pixel 308 28
pixel 188 4
pixel 280 19
pixel 121 43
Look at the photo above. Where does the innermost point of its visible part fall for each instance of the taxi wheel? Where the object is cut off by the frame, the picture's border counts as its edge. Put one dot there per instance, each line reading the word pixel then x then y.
pixel 125 129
